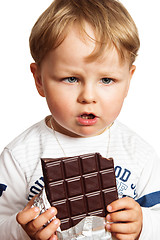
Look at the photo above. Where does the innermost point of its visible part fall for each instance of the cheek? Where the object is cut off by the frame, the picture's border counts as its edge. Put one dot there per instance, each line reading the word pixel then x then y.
pixel 114 103
pixel 59 105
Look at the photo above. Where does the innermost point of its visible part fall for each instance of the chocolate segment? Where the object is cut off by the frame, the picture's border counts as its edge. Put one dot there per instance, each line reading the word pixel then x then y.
pixel 79 186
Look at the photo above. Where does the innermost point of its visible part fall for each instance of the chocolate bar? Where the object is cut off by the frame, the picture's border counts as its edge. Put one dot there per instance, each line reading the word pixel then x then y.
pixel 79 186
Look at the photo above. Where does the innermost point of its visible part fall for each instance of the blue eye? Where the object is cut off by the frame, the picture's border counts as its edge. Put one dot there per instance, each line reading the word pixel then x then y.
pixel 70 79
pixel 106 80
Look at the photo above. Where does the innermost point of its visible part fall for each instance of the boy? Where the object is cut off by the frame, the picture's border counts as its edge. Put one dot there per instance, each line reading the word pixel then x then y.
pixel 84 53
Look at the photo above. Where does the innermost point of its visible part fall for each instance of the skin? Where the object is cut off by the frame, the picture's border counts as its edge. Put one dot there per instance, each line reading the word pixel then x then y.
pixel 75 88
pixel 32 225
pixel 124 219
pixel 98 87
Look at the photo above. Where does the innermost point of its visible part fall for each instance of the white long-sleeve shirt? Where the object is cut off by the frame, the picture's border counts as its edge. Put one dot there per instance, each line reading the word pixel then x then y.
pixel 137 170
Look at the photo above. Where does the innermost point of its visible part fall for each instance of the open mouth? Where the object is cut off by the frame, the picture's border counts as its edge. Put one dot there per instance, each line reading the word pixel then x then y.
pixel 87 119
pixel 88 116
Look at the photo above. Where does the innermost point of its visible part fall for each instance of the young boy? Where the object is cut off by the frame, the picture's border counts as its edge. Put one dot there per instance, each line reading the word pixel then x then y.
pixel 84 52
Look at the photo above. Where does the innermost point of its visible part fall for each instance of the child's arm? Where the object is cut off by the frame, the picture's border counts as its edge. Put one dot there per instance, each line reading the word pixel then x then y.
pixel 126 215
pixel 12 197
pixel 34 226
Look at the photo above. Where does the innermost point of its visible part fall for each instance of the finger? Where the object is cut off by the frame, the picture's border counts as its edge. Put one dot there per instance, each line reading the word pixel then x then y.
pixel 27 215
pixel 53 237
pixel 120 204
pixel 122 216
pixel 30 203
pixel 122 228
pixel 124 236
pixel 42 219
pixel 47 232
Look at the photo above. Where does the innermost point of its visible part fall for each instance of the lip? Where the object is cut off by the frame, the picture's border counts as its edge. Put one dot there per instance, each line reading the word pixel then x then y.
pixel 87 121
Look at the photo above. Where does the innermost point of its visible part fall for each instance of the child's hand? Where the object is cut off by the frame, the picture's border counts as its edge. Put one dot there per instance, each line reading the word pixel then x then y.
pixel 34 227
pixel 125 219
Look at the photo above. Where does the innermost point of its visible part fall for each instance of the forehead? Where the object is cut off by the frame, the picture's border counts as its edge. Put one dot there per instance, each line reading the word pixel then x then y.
pixel 78 45
pixel 78 38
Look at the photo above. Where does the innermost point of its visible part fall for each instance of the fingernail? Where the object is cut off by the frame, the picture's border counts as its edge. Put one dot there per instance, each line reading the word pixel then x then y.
pixel 52 211
pixel 108 217
pixel 108 227
pixel 54 238
pixel 109 208
pixel 56 222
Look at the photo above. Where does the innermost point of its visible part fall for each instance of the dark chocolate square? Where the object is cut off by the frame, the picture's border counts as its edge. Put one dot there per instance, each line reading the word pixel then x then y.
pixel 57 190
pixel 77 206
pixel 74 187
pixel 71 167
pixel 91 182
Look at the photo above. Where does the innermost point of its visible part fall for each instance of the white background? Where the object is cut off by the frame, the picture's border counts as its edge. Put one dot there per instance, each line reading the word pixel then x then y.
pixel 20 104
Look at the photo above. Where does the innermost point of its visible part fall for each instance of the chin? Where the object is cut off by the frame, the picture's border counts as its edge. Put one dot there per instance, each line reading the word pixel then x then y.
pixel 88 132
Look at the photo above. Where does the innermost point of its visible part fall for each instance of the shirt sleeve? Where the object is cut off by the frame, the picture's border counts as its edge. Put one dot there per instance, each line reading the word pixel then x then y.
pixel 149 197
pixel 12 197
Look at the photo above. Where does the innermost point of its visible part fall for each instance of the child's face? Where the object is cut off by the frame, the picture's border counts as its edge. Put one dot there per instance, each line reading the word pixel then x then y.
pixel 83 97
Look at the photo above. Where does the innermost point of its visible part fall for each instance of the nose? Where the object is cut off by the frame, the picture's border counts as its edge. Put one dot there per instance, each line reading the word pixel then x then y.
pixel 87 94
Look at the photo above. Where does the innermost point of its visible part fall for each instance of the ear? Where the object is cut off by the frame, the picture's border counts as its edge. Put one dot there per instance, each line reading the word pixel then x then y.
pixel 35 69
pixel 131 72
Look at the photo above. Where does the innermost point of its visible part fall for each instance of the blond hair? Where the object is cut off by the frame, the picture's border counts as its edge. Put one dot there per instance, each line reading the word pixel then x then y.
pixel 110 20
